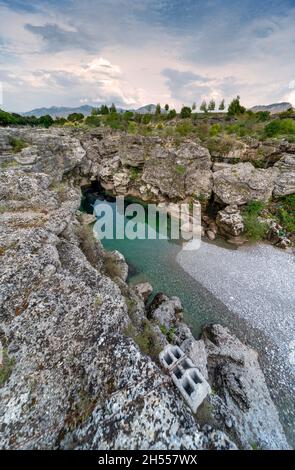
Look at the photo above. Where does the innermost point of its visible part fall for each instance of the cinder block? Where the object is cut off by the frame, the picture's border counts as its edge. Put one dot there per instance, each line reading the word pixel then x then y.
pixel 185 375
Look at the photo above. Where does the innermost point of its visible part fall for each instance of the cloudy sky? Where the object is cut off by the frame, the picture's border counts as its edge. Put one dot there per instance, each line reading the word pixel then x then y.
pixel 73 52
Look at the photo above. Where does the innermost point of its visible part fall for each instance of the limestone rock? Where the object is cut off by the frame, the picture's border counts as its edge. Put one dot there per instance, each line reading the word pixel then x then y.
pixel 230 221
pixel 144 290
pixel 166 312
pixel 235 374
pixel 285 180
pixel 243 183
pixel 196 351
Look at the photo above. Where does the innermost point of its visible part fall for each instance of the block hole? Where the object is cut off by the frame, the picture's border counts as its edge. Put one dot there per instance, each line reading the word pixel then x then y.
pixel 188 387
pixel 195 378
pixel 168 359
pixel 185 365
pixel 176 353
pixel 177 372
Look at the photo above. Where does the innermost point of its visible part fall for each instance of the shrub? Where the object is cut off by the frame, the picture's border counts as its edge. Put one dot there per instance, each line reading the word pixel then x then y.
pixel 280 127
pixel 286 212
pixel 172 114
pixel 215 129
pixel 93 121
pixel 254 229
pixel 17 144
pixel 75 117
pixel 185 112
pixel 184 128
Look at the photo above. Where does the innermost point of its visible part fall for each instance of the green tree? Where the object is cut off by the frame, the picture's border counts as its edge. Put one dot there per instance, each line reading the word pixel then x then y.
pixel 113 108
pixel 104 109
pixel 46 121
pixel 75 117
pixel 185 112
pixel 235 107
pixel 146 118
pixel 166 107
pixel 222 106
pixel 158 110
pixel 211 105
pixel 203 107
pixel 172 114
pixel 194 106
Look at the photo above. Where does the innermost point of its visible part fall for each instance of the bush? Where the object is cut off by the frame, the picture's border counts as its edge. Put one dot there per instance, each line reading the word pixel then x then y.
pixel 185 112
pixel 17 144
pixel 172 114
pixel 93 121
pixel 286 212
pixel 215 129
pixel 254 229
pixel 180 169
pixel 184 128
pixel 280 127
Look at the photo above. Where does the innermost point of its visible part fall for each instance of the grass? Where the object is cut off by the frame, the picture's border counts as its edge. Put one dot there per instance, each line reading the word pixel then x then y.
pixel 168 333
pixel 286 212
pixel 180 169
pixel 254 229
pixel 17 144
pixel 5 367
pixel 146 339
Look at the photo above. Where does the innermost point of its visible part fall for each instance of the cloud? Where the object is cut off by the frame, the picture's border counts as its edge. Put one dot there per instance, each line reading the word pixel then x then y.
pixel 57 39
pixel 186 86
pixel 64 51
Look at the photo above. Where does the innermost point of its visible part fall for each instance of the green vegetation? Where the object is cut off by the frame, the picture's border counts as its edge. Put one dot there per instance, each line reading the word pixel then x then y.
pixel 180 169
pixel 146 339
pixel 255 229
pixel 5 367
pixel 285 208
pixel 17 144
pixel 185 112
pixel 168 333
pixel 280 128
pixel 235 107
pixel 207 124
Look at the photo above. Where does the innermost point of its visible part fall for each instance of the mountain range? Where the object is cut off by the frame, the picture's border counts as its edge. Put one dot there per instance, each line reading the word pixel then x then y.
pixel 64 111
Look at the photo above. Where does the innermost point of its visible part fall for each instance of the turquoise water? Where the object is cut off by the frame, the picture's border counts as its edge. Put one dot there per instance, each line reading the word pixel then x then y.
pixel 155 261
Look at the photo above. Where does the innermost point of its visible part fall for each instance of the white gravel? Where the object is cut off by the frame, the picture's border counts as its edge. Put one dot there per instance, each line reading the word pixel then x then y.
pixel 257 284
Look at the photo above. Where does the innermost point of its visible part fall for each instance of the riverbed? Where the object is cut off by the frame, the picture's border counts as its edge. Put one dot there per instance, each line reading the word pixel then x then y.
pixel 249 289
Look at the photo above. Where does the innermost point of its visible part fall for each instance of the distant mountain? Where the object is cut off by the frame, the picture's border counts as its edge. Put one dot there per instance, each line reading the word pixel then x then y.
pixel 272 108
pixel 64 111
pixel 59 111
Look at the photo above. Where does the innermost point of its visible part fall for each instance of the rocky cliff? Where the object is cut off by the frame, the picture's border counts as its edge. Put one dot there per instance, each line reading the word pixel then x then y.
pixel 74 373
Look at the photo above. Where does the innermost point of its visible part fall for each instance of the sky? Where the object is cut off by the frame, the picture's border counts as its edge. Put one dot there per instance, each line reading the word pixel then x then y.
pixel 74 52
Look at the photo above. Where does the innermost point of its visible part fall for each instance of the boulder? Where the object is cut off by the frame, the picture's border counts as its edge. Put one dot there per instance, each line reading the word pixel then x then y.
pixel 144 290
pixel 236 376
pixel 243 183
pixel 230 221
pixel 196 351
pixel 285 180
pixel 165 311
